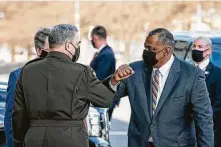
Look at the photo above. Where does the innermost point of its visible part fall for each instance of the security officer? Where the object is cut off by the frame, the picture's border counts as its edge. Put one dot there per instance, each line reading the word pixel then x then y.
pixel 103 62
pixel 201 52
pixel 53 95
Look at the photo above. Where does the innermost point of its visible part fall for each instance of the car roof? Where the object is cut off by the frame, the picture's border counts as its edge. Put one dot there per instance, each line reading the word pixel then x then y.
pixel 190 36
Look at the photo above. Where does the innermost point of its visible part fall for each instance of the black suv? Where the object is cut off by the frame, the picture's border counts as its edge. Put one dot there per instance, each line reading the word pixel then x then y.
pixel 3 92
pixel 184 41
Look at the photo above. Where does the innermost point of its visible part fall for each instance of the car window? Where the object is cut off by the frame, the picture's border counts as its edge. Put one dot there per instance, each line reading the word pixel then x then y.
pixel 216 54
pixel 3 95
pixel 180 49
pixel 189 55
pixel 3 91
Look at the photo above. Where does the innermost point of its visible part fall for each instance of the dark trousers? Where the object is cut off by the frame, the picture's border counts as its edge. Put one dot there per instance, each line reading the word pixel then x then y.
pixel 217 142
pixel 110 112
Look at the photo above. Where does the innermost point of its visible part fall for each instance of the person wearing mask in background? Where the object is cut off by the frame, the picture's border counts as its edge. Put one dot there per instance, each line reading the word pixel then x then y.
pixel 201 52
pixel 42 48
pixel 170 104
pixel 103 62
pixel 53 95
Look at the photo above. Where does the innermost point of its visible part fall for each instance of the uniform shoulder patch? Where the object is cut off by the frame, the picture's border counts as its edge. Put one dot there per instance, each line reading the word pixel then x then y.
pixel 91 71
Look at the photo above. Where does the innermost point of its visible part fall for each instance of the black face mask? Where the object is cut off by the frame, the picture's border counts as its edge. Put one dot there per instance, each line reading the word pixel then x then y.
pixel 76 55
pixel 197 55
pixel 149 58
pixel 43 54
pixel 93 44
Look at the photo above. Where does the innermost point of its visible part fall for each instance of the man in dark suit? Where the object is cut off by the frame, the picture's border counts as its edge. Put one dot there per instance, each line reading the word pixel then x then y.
pixel 167 97
pixel 201 52
pixel 53 95
pixel 41 46
pixel 103 62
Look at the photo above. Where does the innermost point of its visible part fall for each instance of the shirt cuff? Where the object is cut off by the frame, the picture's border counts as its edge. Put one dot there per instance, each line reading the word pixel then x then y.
pixel 114 87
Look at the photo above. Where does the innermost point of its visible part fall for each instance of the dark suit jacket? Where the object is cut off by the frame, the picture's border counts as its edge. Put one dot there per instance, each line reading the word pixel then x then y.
pixel 213 81
pixel 184 100
pixel 13 77
pixel 52 99
pixel 104 63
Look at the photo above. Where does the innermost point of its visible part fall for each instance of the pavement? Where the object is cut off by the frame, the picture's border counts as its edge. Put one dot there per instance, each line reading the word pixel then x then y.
pixel 119 124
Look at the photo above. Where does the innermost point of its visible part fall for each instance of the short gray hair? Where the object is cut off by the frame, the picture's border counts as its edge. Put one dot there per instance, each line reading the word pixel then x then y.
pixel 40 37
pixel 165 37
pixel 206 40
pixel 62 33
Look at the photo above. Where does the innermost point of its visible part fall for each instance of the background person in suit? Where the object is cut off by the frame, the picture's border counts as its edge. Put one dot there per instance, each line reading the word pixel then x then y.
pixel 103 61
pixel 42 48
pixel 201 52
pixel 167 97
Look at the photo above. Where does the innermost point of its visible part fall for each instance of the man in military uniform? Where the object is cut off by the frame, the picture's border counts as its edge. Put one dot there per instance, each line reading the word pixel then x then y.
pixel 53 95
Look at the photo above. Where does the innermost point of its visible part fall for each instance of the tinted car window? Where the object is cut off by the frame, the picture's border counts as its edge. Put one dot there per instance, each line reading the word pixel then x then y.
pixel 3 88
pixel 189 55
pixel 216 55
pixel 3 94
pixel 180 49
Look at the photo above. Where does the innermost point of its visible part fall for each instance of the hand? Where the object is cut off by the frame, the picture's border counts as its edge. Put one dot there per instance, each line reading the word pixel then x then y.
pixel 123 72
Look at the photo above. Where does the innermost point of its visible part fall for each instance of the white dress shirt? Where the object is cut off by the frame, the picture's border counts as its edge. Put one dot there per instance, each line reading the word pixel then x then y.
pixel 101 48
pixel 203 65
pixel 164 72
pixel 98 51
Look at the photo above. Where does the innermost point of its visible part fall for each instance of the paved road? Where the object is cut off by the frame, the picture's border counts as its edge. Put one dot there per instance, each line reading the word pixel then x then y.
pixel 119 124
